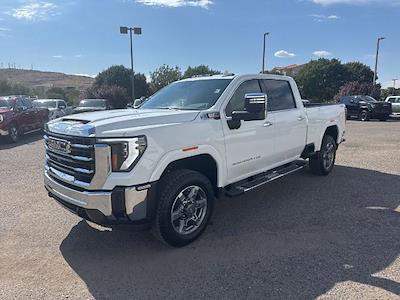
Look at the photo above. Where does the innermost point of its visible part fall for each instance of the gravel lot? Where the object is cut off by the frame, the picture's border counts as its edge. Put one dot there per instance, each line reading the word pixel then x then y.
pixel 300 237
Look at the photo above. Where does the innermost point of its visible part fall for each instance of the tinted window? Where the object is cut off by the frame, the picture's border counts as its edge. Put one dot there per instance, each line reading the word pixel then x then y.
pixel 19 103
pixel 279 94
pixel 237 101
pixel 27 103
pixel 392 100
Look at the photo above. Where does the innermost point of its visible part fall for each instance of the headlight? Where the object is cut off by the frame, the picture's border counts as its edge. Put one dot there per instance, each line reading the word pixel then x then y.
pixel 125 153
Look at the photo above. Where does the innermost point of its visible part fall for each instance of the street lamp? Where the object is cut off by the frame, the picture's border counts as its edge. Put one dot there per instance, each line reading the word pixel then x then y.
pixel 394 83
pixel 138 31
pixel 263 60
pixel 376 59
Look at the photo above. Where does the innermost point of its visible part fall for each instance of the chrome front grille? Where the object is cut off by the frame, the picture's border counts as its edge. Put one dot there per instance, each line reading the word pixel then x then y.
pixel 70 158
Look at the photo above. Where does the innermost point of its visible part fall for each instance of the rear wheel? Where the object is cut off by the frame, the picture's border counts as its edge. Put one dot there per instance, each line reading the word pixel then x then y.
pixel 13 133
pixel 324 160
pixel 364 115
pixel 185 206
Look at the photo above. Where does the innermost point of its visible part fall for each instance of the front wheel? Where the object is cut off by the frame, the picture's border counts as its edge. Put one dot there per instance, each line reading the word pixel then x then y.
pixel 364 115
pixel 13 133
pixel 324 160
pixel 185 206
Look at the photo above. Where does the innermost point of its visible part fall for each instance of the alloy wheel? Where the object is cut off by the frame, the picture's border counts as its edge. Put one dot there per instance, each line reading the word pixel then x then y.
pixel 189 210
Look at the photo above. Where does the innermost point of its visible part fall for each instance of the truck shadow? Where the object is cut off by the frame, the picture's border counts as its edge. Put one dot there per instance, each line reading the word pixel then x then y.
pixel 24 140
pixel 294 238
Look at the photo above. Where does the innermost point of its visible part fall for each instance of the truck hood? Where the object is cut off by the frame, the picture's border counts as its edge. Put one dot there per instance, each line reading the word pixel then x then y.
pixel 118 123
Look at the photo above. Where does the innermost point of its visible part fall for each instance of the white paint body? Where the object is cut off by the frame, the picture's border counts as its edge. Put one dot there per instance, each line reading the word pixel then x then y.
pixel 253 148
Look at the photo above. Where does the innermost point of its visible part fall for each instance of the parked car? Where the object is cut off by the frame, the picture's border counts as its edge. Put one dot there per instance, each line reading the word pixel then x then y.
pixel 18 116
pixel 395 101
pixel 57 107
pixel 88 105
pixel 366 107
pixel 193 141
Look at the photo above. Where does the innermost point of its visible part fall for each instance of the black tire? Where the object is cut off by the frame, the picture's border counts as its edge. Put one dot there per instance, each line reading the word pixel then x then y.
pixel 171 186
pixel 363 116
pixel 13 133
pixel 318 163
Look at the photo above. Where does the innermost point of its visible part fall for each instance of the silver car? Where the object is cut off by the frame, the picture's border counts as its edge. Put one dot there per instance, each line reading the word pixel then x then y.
pixel 57 107
pixel 395 100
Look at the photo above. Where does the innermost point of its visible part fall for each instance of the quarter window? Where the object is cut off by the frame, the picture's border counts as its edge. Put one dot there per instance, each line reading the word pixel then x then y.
pixel 279 94
pixel 237 101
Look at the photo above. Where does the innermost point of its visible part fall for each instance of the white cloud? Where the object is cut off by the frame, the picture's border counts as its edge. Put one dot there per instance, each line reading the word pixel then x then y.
pixel 329 2
pixel 321 18
pixel 58 56
pixel 34 11
pixel 3 31
pixel 78 56
pixel 322 53
pixel 284 54
pixel 177 3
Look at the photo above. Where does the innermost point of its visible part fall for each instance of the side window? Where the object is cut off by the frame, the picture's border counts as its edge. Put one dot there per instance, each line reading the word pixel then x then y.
pixel 391 100
pixel 27 103
pixel 61 104
pixel 237 101
pixel 397 100
pixel 279 94
pixel 19 103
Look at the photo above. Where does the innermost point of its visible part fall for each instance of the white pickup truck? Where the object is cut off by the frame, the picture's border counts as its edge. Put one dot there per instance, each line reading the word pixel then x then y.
pixel 195 140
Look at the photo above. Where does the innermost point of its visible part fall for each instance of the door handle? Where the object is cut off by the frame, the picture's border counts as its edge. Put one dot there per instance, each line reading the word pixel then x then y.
pixel 267 124
pixel 300 118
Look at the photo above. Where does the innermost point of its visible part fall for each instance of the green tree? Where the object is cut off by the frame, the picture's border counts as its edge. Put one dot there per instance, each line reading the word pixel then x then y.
pixel 359 72
pixel 55 93
pixel 117 95
pixel 10 88
pixel 199 70
pixel 163 76
pixel 359 88
pixel 120 76
pixel 321 79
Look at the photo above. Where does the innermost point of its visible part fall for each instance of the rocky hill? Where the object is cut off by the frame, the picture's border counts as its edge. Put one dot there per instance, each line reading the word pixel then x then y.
pixel 46 80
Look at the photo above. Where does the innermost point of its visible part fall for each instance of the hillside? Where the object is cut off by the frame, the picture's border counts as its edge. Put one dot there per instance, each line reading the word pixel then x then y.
pixel 33 78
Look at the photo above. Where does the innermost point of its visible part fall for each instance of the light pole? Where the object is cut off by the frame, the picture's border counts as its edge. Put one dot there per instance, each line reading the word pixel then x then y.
pixel 376 59
pixel 263 60
pixel 136 30
pixel 394 83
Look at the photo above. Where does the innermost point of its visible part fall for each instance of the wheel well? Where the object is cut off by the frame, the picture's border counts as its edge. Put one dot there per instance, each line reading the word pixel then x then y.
pixel 203 163
pixel 333 132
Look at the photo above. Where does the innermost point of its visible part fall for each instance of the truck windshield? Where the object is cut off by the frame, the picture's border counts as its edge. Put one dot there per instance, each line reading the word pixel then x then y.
pixel 44 104
pixel 92 103
pixel 188 95
pixel 5 103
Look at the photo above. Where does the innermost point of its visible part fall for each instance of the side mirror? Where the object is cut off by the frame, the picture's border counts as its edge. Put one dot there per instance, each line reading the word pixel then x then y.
pixel 255 104
pixel 21 108
pixel 61 107
pixel 138 102
pixel 351 101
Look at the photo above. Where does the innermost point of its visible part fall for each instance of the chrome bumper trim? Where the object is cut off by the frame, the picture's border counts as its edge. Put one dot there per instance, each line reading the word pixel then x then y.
pixel 100 201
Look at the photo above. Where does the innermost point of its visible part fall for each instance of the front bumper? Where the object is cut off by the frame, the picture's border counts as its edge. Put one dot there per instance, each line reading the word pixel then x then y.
pixel 122 205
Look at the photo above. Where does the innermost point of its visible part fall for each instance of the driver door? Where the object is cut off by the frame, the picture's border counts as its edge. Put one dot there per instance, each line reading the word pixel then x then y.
pixel 249 148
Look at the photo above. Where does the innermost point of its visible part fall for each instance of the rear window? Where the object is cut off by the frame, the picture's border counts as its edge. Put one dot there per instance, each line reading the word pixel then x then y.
pixel 280 95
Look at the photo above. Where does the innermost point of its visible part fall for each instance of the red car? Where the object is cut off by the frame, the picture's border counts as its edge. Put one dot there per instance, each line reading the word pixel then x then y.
pixel 18 116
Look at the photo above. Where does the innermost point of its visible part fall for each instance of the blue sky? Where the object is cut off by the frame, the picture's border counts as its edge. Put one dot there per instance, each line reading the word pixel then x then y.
pixel 82 37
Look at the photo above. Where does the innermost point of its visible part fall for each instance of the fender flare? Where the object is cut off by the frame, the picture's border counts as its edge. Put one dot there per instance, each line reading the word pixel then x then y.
pixel 178 154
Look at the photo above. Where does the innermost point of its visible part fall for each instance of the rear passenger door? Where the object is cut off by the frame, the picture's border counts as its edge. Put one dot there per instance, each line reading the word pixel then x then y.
pixel 290 122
